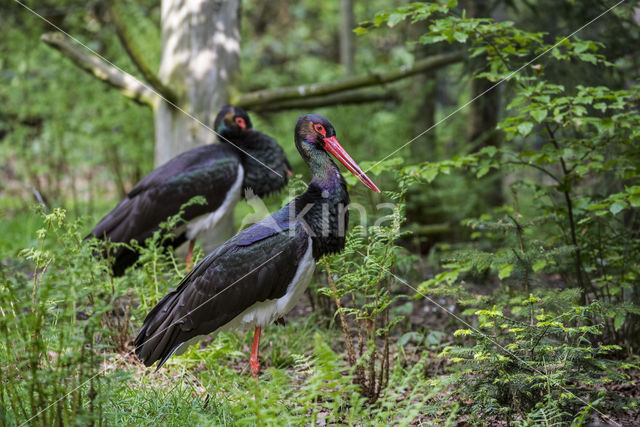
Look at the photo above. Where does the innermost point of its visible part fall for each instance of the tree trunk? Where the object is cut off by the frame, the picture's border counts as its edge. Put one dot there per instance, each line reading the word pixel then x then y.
pixel 200 62
pixel 483 112
pixel 347 39
pixel 424 87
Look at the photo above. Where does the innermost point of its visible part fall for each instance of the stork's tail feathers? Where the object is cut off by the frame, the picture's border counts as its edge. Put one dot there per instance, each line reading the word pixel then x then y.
pixel 160 334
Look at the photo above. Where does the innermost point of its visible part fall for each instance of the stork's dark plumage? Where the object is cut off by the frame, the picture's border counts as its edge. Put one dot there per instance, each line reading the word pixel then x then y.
pixel 259 274
pixel 244 158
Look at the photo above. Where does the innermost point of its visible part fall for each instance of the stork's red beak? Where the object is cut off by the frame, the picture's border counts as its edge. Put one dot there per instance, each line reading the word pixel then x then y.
pixel 332 145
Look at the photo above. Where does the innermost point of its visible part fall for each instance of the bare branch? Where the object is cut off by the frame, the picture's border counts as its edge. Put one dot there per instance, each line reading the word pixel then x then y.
pixel 136 56
pixel 128 85
pixel 263 97
pixel 342 98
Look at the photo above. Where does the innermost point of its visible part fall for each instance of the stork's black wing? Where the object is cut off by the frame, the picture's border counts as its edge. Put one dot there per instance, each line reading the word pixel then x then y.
pixel 207 171
pixel 256 265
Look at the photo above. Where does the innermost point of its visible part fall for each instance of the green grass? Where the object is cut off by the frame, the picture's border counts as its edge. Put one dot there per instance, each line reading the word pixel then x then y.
pixel 18 232
pixel 212 385
pixel 144 402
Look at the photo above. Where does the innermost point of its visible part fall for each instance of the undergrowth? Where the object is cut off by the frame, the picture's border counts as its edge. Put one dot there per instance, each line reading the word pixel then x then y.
pixel 67 357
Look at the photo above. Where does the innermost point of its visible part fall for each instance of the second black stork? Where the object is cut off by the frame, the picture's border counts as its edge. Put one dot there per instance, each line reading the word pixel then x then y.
pixel 244 158
pixel 258 276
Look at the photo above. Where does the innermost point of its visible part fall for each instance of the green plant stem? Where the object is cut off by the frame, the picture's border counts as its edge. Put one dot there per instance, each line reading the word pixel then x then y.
pixel 522 258
pixel 540 168
pixel 35 270
pixel 359 327
pixel 572 226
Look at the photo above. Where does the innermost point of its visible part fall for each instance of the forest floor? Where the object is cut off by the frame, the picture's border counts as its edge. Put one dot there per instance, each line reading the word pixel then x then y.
pixel 196 375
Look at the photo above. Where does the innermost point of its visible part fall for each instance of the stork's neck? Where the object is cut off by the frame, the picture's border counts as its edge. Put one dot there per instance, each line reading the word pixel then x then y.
pixel 323 207
pixel 264 162
pixel 231 136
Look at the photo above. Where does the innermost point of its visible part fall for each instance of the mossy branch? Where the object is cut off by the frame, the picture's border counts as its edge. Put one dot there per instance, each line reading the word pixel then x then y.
pixel 343 98
pixel 127 84
pixel 136 56
pixel 269 96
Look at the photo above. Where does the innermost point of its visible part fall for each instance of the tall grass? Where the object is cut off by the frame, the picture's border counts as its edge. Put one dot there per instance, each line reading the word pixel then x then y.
pixel 51 331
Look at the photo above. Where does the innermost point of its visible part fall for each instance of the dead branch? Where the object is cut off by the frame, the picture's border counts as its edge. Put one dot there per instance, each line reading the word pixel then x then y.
pixel 136 56
pixel 342 98
pixel 268 96
pixel 127 84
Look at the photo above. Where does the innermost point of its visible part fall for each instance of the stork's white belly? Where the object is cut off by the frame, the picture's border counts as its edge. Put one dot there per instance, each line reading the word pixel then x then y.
pixel 212 219
pixel 266 312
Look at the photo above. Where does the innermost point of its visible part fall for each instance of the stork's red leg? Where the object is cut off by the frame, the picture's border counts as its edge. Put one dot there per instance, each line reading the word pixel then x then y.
pixel 190 254
pixel 253 361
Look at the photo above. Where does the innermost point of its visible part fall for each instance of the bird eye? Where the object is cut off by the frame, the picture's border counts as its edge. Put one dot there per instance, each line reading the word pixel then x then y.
pixel 240 122
pixel 320 129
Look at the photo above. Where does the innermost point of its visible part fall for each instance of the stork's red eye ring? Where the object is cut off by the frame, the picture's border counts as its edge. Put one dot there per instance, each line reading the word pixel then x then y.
pixel 240 122
pixel 320 129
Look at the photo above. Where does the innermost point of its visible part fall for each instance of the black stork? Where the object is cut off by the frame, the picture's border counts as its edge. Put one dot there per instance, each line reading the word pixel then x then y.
pixel 258 275
pixel 244 158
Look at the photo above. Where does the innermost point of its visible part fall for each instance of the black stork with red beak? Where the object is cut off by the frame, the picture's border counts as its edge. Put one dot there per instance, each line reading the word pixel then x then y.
pixel 244 158
pixel 258 275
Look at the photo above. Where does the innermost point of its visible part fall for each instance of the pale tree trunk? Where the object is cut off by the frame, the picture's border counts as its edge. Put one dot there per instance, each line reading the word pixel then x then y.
pixel 347 39
pixel 200 62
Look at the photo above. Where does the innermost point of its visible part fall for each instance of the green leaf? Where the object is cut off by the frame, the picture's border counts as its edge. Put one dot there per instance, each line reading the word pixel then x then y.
pixel 525 128
pixel 459 36
pixel 539 115
pixel 617 206
pixel 505 271
pixel 580 47
pixel 587 57
pixel 600 106
pixel 482 171
pixel 405 338
pixel 581 170
pixel 539 265
pixel 618 321
pixel 395 18
pixel 489 150
pixel 430 174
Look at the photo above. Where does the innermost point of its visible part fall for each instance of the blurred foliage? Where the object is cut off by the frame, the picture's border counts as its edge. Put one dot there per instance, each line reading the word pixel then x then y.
pixel 572 155
pixel 65 137
pixel 543 288
pixel 53 331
